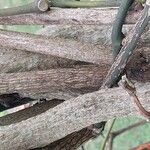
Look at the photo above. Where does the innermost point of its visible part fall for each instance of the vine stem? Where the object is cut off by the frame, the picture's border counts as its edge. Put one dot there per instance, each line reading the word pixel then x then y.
pixel 126 51
pixel 117 133
pixel 107 134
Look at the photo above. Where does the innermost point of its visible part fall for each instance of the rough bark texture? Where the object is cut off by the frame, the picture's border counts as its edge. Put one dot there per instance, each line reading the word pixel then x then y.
pixel 70 142
pixel 97 35
pixel 71 116
pixel 12 61
pixel 96 16
pixel 96 41
pixel 129 45
pixel 57 83
pixel 70 82
pixel 66 48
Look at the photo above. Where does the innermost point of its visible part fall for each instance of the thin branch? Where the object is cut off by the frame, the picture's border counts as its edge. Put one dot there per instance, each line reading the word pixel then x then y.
pixel 107 134
pixel 127 49
pixel 82 147
pixel 117 133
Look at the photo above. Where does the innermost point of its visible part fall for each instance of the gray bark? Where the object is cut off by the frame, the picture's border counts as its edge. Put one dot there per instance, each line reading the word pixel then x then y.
pixel 98 51
pixel 83 16
pixel 66 48
pixel 65 83
pixel 77 113
pixel 12 61
pixel 71 116
pixel 62 83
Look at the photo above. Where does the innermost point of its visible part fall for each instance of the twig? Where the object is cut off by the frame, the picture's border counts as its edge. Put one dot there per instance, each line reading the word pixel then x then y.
pixel 107 134
pixel 117 133
pixel 82 147
pixel 126 51
pixel 130 88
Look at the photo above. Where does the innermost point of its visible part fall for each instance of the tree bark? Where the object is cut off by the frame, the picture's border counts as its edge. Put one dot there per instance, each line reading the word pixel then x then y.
pixel 66 83
pixel 65 48
pixel 80 16
pixel 71 141
pixel 71 116
pixel 60 83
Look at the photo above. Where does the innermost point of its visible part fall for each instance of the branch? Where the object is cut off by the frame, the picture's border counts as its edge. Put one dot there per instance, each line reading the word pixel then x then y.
pixel 72 141
pixel 66 83
pixel 65 48
pixel 84 16
pixel 69 81
pixel 71 116
pixel 127 50
pixel 118 132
